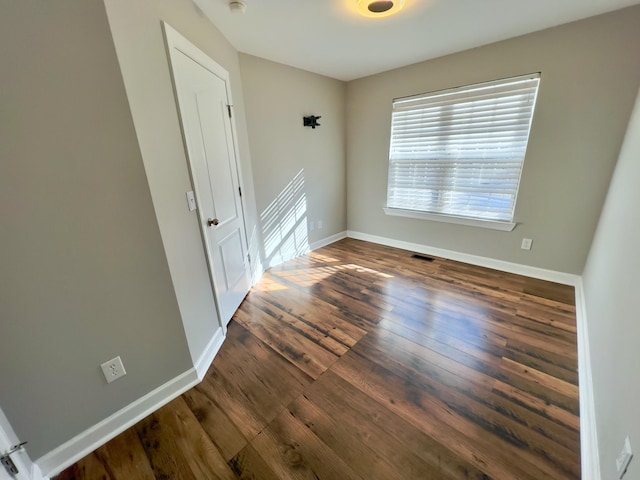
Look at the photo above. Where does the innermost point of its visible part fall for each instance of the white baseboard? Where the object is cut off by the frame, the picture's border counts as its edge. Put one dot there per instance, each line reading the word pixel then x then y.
pixel 86 442
pixel 590 456
pixel 36 473
pixel 327 241
pixel 503 266
pixel 205 360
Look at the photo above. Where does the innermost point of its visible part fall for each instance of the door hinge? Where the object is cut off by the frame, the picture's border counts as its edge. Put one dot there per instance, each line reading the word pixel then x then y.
pixel 240 190
pixel 249 257
pixel 8 463
pixel 229 110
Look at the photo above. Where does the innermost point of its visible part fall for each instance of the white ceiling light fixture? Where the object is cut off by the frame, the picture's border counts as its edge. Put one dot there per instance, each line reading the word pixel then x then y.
pixel 237 6
pixel 379 8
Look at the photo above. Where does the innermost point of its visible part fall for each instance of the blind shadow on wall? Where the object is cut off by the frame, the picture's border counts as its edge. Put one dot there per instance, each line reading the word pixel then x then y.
pixel 284 223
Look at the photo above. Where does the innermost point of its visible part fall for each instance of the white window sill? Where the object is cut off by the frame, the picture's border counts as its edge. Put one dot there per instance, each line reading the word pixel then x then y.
pixel 493 224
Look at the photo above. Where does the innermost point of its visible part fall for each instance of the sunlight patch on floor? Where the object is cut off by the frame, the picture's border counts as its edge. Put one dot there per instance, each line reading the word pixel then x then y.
pixel 268 284
pixel 307 277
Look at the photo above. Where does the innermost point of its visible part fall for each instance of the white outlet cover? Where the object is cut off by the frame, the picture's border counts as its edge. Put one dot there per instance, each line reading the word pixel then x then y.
pixel 113 369
pixel 191 201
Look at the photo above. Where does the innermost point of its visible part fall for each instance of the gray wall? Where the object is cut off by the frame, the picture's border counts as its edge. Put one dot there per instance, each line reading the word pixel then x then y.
pixel 277 97
pixel 138 38
pixel 590 74
pixel 83 273
pixel 611 291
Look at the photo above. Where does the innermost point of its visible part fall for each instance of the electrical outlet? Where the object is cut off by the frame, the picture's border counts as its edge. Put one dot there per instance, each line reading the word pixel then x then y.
pixel 624 458
pixel 526 244
pixel 319 224
pixel 113 369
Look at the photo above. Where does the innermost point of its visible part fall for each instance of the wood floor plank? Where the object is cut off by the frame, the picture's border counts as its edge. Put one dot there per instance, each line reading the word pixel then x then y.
pixel 347 303
pixel 361 361
pixel 247 464
pixel 340 438
pixel 221 430
pixel 265 378
pixel 410 450
pixel 549 327
pixel 122 458
pixel 234 402
pixel 89 468
pixel 468 439
pixel 557 433
pixel 542 407
pixel 482 356
pixel 292 451
pixel 178 447
pixel 301 326
pixel 540 384
pixel 481 287
pixel 125 458
pixel 307 355
pixel 324 316
pixel 541 361
pixel 550 290
pixel 467 392
pixel 553 306
pixel 556 315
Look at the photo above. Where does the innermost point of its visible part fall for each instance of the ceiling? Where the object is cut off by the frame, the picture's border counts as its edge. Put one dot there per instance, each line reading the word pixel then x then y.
pixel 330 38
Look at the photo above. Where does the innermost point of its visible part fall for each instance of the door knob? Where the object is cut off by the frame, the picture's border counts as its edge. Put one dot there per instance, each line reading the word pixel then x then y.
pixel 212 221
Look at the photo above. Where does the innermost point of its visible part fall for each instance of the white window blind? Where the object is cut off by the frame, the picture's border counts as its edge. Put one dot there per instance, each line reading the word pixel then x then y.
pixel 460 151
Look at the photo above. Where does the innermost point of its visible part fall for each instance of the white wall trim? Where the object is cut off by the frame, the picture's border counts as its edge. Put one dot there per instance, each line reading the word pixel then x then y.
pixel 36 473
pixel 206 359
pixel 86 442
pixel 441 217
pixel 590 457
pixel 27 469
pixel 503 266
pixel 327 240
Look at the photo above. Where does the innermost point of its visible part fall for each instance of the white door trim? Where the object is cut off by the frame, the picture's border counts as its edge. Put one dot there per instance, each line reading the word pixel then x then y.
pixel 27 470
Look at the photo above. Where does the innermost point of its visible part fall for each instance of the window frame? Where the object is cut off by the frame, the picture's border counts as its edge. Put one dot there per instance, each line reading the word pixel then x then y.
pixel 498 224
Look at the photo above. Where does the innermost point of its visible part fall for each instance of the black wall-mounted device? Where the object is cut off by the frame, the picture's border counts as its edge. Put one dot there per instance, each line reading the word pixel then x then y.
pixel 311 121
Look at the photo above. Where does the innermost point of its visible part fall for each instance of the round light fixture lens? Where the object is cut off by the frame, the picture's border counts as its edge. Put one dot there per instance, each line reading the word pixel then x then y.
pixel 237 6
pixel 380 7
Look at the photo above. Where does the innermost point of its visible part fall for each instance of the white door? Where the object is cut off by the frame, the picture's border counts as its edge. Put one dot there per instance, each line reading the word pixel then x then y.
pixel 7 440
pixel 204 100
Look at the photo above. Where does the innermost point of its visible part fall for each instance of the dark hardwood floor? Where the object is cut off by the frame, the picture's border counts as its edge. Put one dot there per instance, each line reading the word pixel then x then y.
pixel 358 361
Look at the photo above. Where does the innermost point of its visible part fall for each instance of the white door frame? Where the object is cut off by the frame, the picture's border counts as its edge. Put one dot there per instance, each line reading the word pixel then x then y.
pixel 175 40
pixel 27 470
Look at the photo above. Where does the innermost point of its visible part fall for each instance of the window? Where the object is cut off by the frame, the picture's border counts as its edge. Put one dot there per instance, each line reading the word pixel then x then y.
pixel 459 152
